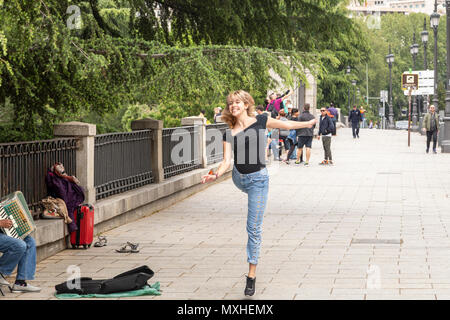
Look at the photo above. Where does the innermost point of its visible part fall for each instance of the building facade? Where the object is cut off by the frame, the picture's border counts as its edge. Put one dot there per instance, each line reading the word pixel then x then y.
pixel 370 7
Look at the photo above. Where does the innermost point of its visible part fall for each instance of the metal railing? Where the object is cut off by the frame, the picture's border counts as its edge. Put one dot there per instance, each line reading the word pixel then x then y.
pixel 122 162
pixel 187 155
pixel 214 145
pixel 24 165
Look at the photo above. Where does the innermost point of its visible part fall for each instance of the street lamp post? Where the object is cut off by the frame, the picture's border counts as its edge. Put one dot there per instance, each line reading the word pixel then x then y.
pixel 390 61
pixel 424 35
pixel 348 72
pixel 445 145
pixel 434 22
pixel 354 91
pixel 414 51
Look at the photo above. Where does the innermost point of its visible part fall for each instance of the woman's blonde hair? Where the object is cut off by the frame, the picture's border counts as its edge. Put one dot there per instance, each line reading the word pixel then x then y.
pixel 246 98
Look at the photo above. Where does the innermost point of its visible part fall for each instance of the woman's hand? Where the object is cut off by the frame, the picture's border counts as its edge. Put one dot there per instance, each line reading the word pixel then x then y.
pixel 208 178
pixel 6 223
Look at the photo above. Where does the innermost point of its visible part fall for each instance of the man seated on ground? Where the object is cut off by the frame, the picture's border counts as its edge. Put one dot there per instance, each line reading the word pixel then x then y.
pixel 20 253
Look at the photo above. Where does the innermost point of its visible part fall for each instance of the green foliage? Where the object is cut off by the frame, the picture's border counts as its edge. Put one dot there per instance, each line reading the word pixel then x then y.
pixel 172 112
pixel 397 30
pixel 188 57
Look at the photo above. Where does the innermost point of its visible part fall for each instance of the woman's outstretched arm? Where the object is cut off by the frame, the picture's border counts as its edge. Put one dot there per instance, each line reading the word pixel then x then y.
pixel 289 124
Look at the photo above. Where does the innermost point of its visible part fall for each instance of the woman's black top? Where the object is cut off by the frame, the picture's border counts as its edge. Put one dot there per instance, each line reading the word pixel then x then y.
pixel 249 146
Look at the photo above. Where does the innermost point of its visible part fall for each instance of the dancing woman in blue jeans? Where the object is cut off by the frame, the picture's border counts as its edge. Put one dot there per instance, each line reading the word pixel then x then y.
pixel 247 138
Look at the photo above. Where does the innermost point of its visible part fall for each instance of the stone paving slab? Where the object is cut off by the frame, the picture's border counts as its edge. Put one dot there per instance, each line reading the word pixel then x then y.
pixel 393 199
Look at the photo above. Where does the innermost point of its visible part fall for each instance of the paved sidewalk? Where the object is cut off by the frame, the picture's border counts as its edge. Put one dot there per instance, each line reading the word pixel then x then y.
pixel 373 226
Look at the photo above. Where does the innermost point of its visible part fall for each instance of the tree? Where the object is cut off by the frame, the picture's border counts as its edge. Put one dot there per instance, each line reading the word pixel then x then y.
pixel 156 53
pixel 397 30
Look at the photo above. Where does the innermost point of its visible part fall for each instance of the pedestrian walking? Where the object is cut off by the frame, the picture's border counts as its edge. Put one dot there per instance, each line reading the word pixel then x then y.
pixel 259 109
pixel 292 138
pixel 289 107
pixel 326 131
pixel 363 116
pixel 246 137
pixel 334 116
pixel 305 136
pixel 355 119
pixel 431 127
pixel 283 134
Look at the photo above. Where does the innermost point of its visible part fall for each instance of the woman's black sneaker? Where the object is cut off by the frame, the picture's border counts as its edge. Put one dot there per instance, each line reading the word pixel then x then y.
pixel 250 287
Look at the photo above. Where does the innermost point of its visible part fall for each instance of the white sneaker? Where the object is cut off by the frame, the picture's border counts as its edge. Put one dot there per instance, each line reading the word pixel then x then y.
pixel 3 281
pixel 28 288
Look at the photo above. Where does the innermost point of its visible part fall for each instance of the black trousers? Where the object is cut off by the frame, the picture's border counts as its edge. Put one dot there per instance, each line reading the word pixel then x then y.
pixel 431 134
pixel 355 129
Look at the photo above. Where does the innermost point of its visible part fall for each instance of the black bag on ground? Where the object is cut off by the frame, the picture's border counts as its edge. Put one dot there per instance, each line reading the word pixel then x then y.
pixel 134 279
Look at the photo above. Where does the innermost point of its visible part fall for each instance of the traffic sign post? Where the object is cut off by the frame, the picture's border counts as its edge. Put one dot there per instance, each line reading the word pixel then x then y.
pixel 410 81
pixel 409 116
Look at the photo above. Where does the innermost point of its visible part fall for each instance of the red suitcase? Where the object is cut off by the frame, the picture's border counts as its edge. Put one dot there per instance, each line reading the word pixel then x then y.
pixel 84 218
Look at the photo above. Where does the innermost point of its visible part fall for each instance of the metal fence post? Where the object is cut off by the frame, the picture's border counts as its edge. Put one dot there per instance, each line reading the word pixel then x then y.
pixel 201 123
pixel 156 147
pixel 85 153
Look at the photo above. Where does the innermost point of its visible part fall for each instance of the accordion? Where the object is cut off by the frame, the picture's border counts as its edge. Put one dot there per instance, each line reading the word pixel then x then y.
pixel 15 208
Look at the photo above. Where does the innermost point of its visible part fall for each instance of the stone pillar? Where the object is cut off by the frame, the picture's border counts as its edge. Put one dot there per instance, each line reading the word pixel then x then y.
pixel 201 123
pixel 156 147
pixel 85 153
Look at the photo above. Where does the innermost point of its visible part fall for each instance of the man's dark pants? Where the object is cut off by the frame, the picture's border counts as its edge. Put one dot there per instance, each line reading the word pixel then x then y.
pixel 326 141
pixel 431 134
pixel 355 129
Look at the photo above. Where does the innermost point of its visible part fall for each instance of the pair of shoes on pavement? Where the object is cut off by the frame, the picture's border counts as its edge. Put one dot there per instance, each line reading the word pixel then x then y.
pixel 326 162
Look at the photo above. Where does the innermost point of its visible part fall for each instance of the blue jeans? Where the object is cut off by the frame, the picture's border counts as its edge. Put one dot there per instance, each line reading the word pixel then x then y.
pixel 20 253
pixel 256 186
pixel 275 149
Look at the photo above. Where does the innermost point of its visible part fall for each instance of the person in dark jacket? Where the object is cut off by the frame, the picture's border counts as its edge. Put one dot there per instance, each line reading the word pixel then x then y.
pixel 326 129
pixel 335 113
pixel 355 117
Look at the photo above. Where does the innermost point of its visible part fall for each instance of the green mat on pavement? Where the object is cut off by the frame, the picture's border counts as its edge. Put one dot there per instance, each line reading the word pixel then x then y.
pixel 145 291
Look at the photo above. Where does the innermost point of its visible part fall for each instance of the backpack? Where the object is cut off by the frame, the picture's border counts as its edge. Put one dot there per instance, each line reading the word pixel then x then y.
pixel 272 110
